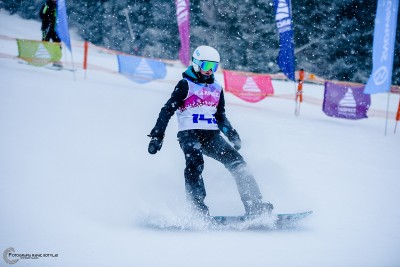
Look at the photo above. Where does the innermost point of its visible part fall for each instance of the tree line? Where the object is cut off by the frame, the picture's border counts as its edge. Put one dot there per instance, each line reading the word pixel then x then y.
pixel 333 39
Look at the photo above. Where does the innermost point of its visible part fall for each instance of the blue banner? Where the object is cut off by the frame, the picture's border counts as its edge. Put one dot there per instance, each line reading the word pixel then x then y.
pixel 141 70
pixel 383 47
pixel 283 18
pixel 62 23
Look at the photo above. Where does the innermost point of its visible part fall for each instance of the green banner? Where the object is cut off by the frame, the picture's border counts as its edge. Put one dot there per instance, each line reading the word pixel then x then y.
pixel 38 53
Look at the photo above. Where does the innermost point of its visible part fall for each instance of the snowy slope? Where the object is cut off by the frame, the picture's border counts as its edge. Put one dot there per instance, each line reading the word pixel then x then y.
pixel 76 178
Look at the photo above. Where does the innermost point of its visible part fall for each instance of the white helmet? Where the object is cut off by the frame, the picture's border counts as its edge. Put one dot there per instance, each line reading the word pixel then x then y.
pixel 205 57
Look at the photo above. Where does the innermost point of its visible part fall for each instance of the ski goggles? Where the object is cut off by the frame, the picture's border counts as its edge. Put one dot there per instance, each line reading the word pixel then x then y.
pixel 206 65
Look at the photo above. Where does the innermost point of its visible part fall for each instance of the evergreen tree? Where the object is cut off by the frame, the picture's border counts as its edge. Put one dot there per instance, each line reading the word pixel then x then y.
pixel 333 39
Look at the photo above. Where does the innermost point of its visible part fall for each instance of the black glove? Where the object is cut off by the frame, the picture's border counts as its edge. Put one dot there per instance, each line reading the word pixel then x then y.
pixel 234 138
pixel 155 144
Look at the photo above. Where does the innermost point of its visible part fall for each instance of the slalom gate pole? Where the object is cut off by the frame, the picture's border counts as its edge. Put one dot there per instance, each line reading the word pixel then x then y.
pixel 298 103
pixel 299 92
pixel 85 54
pixel 129 24
pixel 73 65
pixel 397 117
pixel 387 113
pixel 295 100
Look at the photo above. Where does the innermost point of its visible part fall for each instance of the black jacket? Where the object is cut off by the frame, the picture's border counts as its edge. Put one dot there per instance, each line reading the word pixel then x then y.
pixel 48 15
pixel 177 99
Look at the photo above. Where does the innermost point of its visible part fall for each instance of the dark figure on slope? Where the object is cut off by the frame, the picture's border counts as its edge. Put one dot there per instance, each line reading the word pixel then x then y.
pixel 48 15
pixel 199 103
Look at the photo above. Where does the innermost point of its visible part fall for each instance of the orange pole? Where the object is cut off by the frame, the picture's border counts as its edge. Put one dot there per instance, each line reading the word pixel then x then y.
pixel 86 48
pixel 299 94
pixel 397 117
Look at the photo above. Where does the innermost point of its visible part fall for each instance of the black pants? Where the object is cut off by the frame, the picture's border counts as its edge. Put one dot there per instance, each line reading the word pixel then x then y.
pixel 195 144
pixel 50 35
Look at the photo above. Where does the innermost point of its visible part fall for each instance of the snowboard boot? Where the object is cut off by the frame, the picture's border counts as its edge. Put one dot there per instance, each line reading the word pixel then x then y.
pixel 199 208
pixel 57 65
pixel 257 208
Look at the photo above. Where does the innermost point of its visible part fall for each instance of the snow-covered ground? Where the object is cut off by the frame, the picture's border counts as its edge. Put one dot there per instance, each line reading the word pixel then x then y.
pixel 77 181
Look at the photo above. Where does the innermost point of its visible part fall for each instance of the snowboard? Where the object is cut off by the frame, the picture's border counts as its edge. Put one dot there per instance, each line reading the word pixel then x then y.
pixel 283 220
pixel 51 67
pixel 269 222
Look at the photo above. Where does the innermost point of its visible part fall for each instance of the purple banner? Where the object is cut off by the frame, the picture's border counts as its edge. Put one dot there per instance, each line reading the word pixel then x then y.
pixel 182 16
pixel 344 101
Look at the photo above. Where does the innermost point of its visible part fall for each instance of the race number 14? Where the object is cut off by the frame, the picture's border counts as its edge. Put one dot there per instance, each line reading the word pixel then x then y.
pixel 200 117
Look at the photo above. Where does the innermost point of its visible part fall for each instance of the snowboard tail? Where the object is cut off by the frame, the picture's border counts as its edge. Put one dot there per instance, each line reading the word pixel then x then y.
pixel 280 220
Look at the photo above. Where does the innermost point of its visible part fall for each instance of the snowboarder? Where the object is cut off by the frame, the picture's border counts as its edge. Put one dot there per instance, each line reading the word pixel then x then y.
pixel 198 100
pixel 48 15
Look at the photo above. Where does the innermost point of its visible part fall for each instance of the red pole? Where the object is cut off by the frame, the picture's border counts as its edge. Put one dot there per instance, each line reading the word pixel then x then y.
pixel 398 112
pixel 86 48
pixel 299 93
pixel 397 117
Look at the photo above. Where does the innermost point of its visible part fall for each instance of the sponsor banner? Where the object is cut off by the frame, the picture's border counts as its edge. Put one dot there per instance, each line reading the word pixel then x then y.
pixel 283 18
pixel 62 23
pixel 183 18
pixel 344 101
pixel 38 53
pixel 251 88
pixel 383 47
pixel 141 70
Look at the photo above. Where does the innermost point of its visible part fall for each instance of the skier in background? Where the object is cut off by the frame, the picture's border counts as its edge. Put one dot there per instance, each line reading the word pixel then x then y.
pixel 198 100
pixel 48 15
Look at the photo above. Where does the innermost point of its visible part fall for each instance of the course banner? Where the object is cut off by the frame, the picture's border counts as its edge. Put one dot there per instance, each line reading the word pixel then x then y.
pixel 38 53
pixel 183 19
pixel 249 87
pixel 284 23
pixel 383 47
pixel 141 70
pixel 344 101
